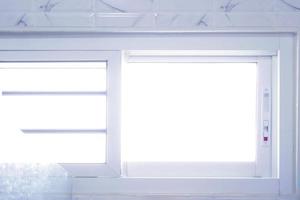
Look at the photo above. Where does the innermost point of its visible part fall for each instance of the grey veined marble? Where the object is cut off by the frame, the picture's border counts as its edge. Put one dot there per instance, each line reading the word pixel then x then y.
pixel 34 181
pixel 292 3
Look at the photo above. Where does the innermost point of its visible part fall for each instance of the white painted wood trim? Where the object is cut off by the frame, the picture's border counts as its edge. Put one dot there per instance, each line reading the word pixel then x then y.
pixel 190 169
pixel 297 100
pixel 113 112
pixel 194 53
pixel 287 62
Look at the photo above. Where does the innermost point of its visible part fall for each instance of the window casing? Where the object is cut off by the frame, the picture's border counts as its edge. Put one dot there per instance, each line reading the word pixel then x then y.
pixel 61 100
pixel 283 104
pixel 164 62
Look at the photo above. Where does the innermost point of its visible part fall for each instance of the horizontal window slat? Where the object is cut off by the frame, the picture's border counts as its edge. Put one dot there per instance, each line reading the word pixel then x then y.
pixel 63 64
pixel 69 131
pixel 24 93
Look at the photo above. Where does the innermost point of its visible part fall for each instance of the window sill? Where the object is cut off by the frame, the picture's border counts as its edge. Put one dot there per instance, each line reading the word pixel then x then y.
pixel 176 186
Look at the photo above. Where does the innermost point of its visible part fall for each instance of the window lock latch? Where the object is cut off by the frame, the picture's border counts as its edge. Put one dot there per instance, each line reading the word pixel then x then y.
pixel 266 131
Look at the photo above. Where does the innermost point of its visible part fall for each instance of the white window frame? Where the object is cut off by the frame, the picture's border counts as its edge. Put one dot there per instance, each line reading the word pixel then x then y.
pixel 111 167
pixel 262 166
pixel 281 41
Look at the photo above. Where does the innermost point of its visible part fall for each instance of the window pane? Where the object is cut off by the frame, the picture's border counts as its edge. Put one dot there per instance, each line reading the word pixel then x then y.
pixel 17 147
pixel 53 76
pixel 53 112
pixel 57 111
pixel 189 112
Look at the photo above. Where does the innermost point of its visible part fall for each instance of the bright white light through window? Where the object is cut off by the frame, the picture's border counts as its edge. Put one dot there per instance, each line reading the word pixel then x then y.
pixel 189 112
pixel 53 112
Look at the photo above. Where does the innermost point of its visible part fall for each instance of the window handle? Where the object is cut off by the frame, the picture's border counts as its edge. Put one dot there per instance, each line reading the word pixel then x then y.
pixel 266 130
pixel 266 122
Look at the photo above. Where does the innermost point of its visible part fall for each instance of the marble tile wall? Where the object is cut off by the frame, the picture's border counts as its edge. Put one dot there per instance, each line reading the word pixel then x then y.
pixel 149 14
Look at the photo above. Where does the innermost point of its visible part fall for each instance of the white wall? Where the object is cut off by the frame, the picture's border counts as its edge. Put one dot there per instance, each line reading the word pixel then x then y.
pixel 150 14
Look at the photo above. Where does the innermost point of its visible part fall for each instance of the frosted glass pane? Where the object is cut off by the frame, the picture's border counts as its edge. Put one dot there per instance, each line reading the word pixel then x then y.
pixel 189 112
pixel 53 76
pixel 20 181
pixel 56 112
